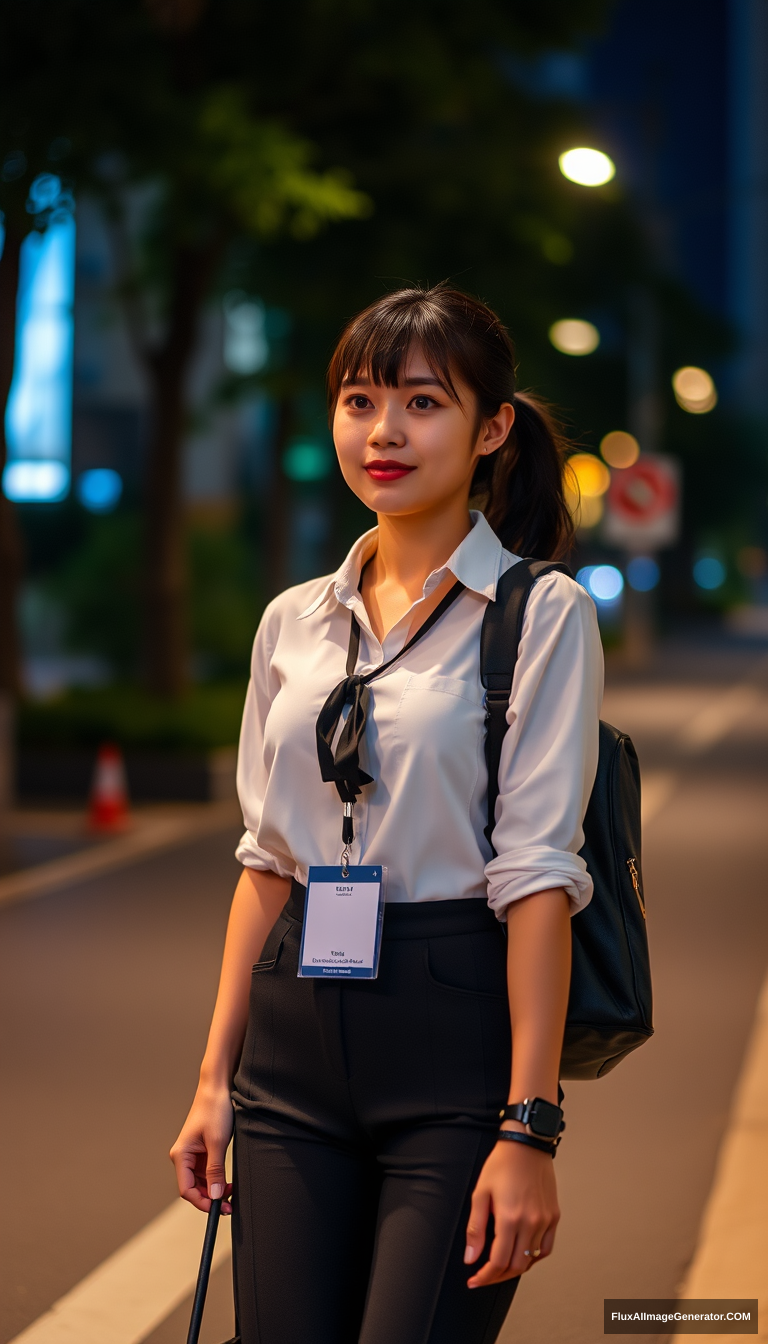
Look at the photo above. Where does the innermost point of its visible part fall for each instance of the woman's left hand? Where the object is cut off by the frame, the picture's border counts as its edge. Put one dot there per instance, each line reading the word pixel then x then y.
pixel 517 1186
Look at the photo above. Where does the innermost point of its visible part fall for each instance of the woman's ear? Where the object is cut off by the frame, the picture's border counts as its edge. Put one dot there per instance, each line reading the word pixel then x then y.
pixel 495 431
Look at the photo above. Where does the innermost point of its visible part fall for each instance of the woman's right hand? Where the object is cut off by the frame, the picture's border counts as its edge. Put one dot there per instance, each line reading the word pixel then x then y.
pixel 198 1153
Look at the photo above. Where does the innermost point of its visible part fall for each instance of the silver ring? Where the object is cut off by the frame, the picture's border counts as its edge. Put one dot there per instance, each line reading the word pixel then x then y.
pixel 533 1254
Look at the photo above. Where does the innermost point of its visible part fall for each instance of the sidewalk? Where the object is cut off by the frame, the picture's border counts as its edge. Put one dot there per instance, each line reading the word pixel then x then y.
pixel 152 829
pixel 731 1258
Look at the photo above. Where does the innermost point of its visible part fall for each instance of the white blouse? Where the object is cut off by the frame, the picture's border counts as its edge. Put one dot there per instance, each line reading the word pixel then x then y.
pixel 423 816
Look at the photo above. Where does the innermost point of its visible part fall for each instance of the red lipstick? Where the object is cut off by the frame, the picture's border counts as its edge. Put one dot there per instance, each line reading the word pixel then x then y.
pixel 387 469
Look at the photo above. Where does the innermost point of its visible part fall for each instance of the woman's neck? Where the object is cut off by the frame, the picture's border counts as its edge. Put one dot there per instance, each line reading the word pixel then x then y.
pixel 411 547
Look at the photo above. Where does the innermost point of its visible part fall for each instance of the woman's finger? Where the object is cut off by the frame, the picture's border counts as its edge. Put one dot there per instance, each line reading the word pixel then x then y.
pixel 191 1181
pixel 547 1243
pixel 477 1225
pixel 496 1266
pixel 215 1175
pixel 527 1250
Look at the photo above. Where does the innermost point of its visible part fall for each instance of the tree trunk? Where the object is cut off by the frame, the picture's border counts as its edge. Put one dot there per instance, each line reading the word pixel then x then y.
pixel 11 554
pixel 166 645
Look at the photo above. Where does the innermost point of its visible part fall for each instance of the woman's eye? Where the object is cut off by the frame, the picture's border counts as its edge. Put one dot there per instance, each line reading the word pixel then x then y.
pixel 422 403
pixel 359 402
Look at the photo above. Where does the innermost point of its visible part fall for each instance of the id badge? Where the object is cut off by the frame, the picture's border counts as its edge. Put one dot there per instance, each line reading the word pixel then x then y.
pixel 342 923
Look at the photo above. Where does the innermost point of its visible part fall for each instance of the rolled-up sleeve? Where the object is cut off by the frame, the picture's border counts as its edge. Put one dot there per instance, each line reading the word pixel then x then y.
pixel 252 772
pixel 549 755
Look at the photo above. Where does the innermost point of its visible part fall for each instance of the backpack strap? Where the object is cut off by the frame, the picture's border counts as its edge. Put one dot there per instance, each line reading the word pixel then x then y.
pixel 499 644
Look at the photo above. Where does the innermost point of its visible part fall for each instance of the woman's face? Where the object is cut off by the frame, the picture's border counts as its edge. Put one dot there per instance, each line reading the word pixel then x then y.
pixel 412 448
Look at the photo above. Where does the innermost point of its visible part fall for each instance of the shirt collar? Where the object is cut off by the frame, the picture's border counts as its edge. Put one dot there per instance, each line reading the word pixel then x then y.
pixel 476 563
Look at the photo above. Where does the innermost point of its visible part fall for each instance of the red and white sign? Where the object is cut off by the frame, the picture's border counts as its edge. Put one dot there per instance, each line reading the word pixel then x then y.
pixel 643 504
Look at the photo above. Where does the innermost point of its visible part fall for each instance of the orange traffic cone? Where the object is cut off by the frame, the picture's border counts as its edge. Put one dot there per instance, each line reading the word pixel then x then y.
pixel 108 810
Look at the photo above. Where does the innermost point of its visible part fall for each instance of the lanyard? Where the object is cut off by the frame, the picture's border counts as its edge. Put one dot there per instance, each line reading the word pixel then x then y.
pixel 342 767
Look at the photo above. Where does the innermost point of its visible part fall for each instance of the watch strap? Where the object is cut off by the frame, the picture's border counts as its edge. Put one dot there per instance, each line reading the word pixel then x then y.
pixel 513 1136
pixel 515 1112
pixel 530 1110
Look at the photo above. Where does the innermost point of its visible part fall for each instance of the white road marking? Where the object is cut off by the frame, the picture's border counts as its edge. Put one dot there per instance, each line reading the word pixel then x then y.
pixel 127 1297
pixel 715 720
pixel 731 1258
pixel 656 790
pixel 150 836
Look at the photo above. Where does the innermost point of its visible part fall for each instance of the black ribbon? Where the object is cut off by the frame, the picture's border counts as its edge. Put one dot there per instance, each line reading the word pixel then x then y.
pixel 342 767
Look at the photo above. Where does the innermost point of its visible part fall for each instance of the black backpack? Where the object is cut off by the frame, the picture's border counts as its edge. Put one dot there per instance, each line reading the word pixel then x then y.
pixel 609 1008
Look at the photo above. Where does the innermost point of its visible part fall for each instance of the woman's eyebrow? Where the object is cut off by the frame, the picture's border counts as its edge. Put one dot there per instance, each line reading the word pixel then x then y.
pixel 406 382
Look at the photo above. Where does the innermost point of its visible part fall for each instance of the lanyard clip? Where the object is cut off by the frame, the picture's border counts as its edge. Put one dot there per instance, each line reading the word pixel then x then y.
pixel 347 825
pixel 347 836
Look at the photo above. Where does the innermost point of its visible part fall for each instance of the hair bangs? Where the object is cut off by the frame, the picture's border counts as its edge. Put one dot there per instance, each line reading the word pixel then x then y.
pixel 376 345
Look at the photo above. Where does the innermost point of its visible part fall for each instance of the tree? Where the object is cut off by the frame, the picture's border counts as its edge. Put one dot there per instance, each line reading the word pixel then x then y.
pixel 209 121
pixel 158 120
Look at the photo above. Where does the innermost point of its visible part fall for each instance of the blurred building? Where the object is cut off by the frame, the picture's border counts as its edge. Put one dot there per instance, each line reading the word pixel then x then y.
pixel 678 96
pixel 680 93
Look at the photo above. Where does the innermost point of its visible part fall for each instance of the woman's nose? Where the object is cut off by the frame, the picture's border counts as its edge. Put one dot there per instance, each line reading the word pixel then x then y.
pixel 386 432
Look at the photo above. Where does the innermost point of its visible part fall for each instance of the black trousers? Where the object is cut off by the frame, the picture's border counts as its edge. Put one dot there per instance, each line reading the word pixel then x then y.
pixel 364 1111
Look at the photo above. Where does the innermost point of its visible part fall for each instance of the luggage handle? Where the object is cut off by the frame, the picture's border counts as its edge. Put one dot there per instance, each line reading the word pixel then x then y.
pixel 204 1274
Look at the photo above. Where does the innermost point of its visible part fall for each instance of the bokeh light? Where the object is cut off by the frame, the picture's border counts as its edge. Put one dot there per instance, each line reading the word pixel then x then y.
pixel 643 573
pixel 307 460
pixel 572 336
pixel 709 572
pixel 99 489
pixel 586 481
pixel 592 476
pixel 620 449
pixel 245 343
pixel 35 482
pixel 588 167
pixel 604 583
pixel 694 390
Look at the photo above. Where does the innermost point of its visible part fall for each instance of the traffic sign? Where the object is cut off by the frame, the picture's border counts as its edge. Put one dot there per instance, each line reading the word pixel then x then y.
pixel 643 504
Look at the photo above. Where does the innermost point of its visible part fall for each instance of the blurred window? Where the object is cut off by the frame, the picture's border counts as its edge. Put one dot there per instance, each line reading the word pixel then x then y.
pixel 38 422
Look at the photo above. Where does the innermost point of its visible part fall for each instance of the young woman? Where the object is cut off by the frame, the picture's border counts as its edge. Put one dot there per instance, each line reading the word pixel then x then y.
pixel 376 1197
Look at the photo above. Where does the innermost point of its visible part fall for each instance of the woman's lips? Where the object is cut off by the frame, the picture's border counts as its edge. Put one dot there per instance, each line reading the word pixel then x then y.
pixel 385 470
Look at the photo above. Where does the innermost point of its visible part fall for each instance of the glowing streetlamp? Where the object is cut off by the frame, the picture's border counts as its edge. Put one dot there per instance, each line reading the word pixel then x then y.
pixel 572 336
pixel 588 167
pixel 586 481
pixel 620 449
pixel 694 390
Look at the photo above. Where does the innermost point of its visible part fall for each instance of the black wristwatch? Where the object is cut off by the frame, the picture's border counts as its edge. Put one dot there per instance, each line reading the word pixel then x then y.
pixel 541 1118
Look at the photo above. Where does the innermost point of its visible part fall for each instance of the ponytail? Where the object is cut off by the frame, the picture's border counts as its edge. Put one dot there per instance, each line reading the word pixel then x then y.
pixel 519 487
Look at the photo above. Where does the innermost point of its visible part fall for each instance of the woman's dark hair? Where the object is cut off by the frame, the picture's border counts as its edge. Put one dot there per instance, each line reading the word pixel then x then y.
pixel 520 486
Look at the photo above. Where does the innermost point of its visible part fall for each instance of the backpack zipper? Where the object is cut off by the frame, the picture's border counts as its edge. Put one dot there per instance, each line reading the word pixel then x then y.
pixel 633 873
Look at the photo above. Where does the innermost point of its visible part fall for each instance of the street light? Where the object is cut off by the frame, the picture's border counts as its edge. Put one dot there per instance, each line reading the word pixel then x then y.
pixel 572 336
pixel 588 167
pixel 620 449
pixel 586 481
pixel 694 390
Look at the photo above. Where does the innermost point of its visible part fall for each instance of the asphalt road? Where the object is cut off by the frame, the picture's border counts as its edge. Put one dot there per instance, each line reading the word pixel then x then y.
pixel 106 989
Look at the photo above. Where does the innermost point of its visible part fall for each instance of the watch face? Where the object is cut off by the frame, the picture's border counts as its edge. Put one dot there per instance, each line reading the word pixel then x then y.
pixel 545 1119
